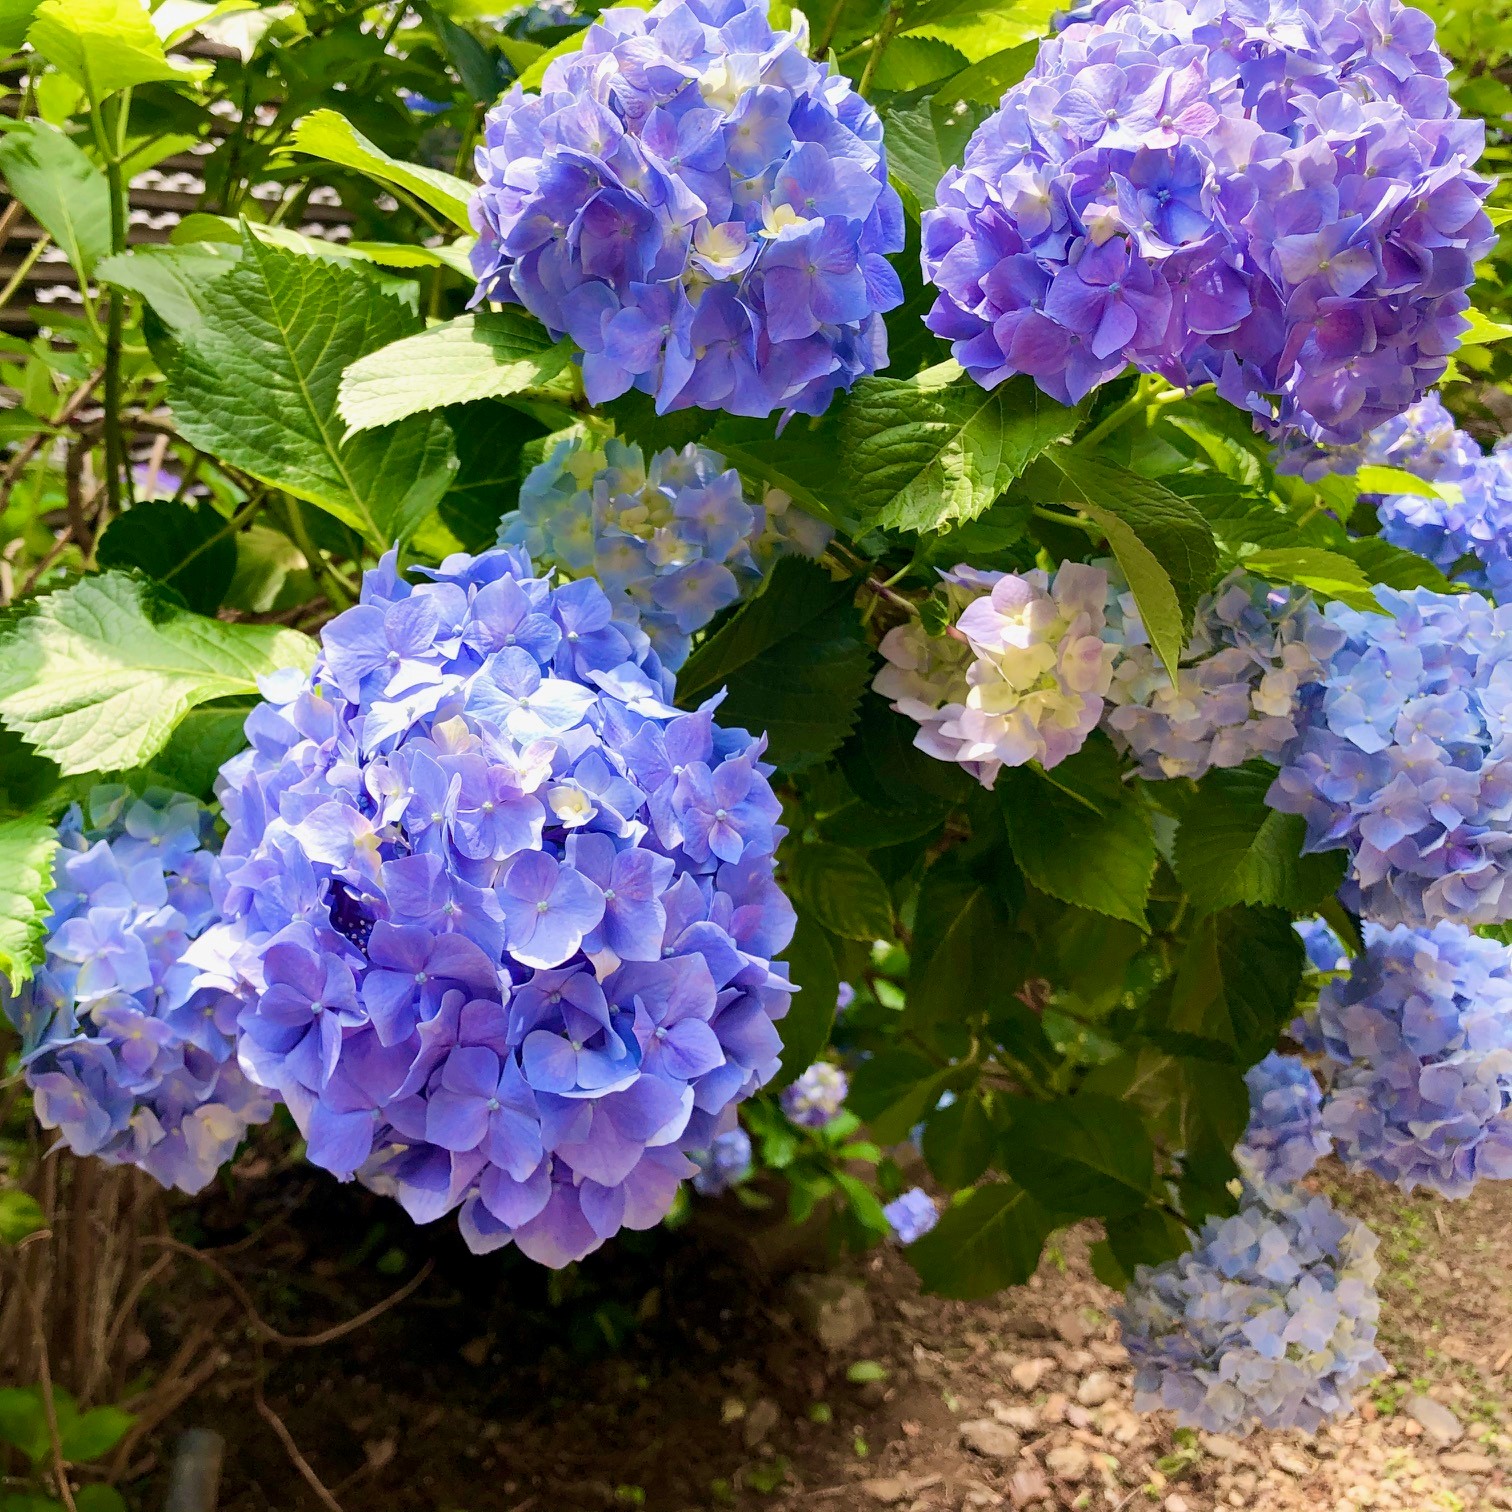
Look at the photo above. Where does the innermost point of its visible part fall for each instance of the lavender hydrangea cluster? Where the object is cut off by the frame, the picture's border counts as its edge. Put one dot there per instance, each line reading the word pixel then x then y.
pixel 1020 674
pixel 700 207
pixel 128 1058
pixel 725 1164
pixel 1269 1321
pixel 911 1215
pixel 817 1096
pixel 1418 1040
pixel 672 542
pixel 1253 648
pixel 501 916
pixel 1285 1138
pixel 1404 757
pixel 1277 197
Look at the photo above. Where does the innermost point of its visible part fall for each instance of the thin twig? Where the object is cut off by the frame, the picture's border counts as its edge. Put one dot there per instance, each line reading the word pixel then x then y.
pixel 286 1438
pixel 134 1296
pixel 58 547
pixel 271 1334
pixel 50 1409
pixel 33 443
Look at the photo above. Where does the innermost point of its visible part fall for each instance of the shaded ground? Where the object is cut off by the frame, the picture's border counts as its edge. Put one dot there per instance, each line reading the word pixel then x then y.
pixel 673 1374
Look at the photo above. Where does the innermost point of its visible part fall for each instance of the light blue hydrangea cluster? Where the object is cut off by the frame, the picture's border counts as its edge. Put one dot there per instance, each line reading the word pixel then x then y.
pixel 1268 1321
pixel 672 542
pixel 700 207
pixel 1285 1138
pixel 911 1215
pixel 1325 951
pixel 1277 196
pixel 816 1097
pixel 1418 1047
pixel 725 1164
pixel 502 917
pixel 127 1056
pixel 1253 649
pixel 1404 758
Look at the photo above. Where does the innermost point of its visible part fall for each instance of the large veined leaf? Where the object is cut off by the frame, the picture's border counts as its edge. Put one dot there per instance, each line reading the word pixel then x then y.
pixel 924 138
pixel 333 138
pixel 980 28
pixel 1087 1155
pixel 806 1025
pixel 256 385
pixel 98 675
pixel 103 45
pixel 990 1239
pixel 15 21
pixel 62 189
pixel 27 845
pixel 485 356
pixel 842 890
pixel 935 450
pixel 172 279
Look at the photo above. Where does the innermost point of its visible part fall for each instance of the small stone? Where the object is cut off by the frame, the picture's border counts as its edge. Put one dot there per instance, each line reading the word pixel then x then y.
pixel 835 1311
pixel 1027 1374
pixel 989 1439
pixel 1439 1423
pixel 1097 1388
pixel 1077 1416
pixel 1070 1329
pixel 1224 1448
pixel 1068 1463
pixel 1175 1502
pixel 1025 1419
pixel 761 1418
pixel 888 1489
pixel 475 1351
pixel 1028 1486
pixel 1467 1462
pixel 1053 1408
pixel 1288 1461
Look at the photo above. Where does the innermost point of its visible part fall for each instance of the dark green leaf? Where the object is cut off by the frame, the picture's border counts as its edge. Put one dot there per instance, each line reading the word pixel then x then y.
pixel 186 546
pixel 93 1433
pixel 988 1240
pixel 967 957
pixel 986 83
pixel 205 739
pixel 491 440
pixel 894 1090
pixel 1149 1237
pixel 20 1214
pixel 1085 1156
pixel 806 1026
pixel 958 1142
pixel 924 138
pixel 23 1421
pixel 842 891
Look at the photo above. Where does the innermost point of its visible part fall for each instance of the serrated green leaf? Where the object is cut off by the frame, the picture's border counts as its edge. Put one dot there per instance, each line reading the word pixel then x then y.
pixel 1392 567
pixel 20 1213
pixel 257 381
pixel 806 1026
pixel 1324 572
pixel 103 45
pixel 842 890
pixel 1088 1156
pixel 935 450
pixel 491 441
pixel 98 675
pixel 989 1240
pixel 488 355
pixel 958 1142
pixel 982 28
pixel 203 741
pixel 895 1089
pixel 332 138
pixel 64 191
pixel 27 847
pixel 1231 848
pixel 912 63
pixel 185 546
pixel 924 138
pixel 986 83
pixel 967 957
pixel 172 279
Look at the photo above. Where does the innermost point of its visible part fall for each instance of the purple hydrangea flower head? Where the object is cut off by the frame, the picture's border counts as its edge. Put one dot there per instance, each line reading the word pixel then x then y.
pixel 1235 699
pixel 1403 758
pixel 911 1215
pixel 1277 198
pixel 817 1096
pixel 844 997
pixel 1417 1041
pixel 1325 951
pixel 700 207
pixel 128 1057
pixel 501 917
pixel 1020 675
pixel 1285 1138
pixel 725 1164
pixel 671 542
pixel 1268 1321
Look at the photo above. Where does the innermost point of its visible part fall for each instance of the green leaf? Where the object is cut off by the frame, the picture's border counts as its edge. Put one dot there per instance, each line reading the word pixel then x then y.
pixel 807 1024
pixel 794 662
pixel 989 1240
pixel 966 955
pixel 1149 1237
pixel 333 138
pixel 103 45
pixel 27 847
pixel 490 441
pixel 256 385
pixel 1082 834
pixel 1086 1156
pixel 1372 478
pixel 485 356
pixel 1392 567
pixel 23 1421
pixel 958 1142
pixel 983 27
pixel 205 739
pixel 172 279
pixel 98 675
pixel 186 546
pixel 15 22
pixel 64 191
pixel 894 1090
pixel 934 450
pixel 1483 330
pixel 986 83
pixel 536 71
pixel 99 1497
pixel 1231 848
pixel 914 62
pixel 924 138
pixel 801 461
pixel 93 1434
pixel 842 891
pixel 20 1214
pixel 1325 572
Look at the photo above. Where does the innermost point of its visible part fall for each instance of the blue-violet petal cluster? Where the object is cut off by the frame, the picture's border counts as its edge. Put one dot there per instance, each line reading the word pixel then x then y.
pixel 127 1056
pixel 700 207
pixel 1278 197
pixel 672 542
pixel 1404 758
pixel 1269 1321
pixel 816 1098
pixel 726 1163
pixel 1285 1138
pixel 502 917
pixel 911 1215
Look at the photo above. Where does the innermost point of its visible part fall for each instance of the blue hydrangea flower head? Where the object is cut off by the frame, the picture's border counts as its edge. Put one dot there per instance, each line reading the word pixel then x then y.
pixel 817 1096
pixel 1403 760
pixel 1278 198
pixel 1285 1138
pixel 1325 951
pixel 1253 649
pixel 502 917
pixel 911 1215
pixel 1418 1047
pixel 129 1057
pixel 725 1164
pixel 1268 1321
pixel 704 210
pixel 671 542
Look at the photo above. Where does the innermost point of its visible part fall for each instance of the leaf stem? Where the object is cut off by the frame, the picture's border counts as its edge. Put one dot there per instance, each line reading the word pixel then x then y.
pixel 1148 395
pixel 1060 517
pixel 831 26
pixel 321 570
pixel 116 487
pixel 890 23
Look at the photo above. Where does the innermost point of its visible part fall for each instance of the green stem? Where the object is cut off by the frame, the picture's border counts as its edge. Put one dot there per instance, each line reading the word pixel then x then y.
pixel 1146 396
pixel 831 26
pixel 320 569
pixel 231 526
pixel 111 152
pixel 890 24
pixel 1059 517
pixel 27 264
